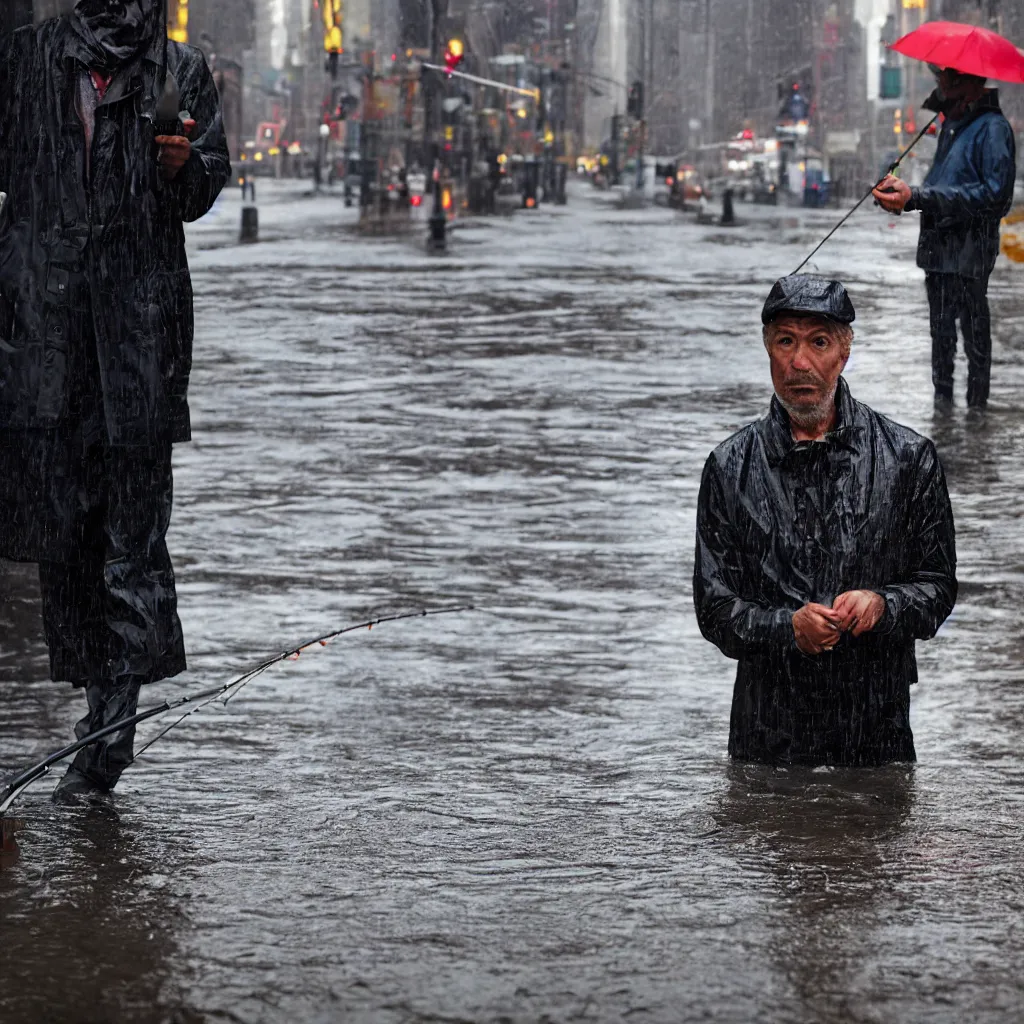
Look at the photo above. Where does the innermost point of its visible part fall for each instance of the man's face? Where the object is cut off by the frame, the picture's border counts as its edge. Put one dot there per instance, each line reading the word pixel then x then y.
pixel 806 359
pixel 956 90
pixel 951 85
pixel 113 14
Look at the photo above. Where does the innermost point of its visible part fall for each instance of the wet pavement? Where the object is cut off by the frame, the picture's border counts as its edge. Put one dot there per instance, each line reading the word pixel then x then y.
pixel 524 813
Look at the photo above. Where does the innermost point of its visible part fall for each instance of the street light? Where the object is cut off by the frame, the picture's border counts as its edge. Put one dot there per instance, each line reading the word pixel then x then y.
pixel 321 153
pixel 453 55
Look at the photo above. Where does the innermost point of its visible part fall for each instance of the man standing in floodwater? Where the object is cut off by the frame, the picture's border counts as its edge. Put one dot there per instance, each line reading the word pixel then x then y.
pixel 968 190
pixel 825 549
pixel 96 340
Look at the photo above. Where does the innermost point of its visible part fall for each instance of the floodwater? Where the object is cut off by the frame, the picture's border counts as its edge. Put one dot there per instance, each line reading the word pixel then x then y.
pixel 523 813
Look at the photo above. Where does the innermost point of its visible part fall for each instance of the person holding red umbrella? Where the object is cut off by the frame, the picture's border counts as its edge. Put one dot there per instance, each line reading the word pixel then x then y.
pixel 967 192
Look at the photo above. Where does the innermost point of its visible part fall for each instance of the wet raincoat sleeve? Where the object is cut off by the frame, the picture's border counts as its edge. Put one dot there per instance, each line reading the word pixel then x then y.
pixel 204 175
pixel 982 183
pixel 917 606
pixel 9 262
pixel 728 613
pixel 6 97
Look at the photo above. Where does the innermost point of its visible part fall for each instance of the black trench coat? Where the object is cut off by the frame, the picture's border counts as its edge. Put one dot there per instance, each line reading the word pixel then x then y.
pixel 124 234
pixel 780 524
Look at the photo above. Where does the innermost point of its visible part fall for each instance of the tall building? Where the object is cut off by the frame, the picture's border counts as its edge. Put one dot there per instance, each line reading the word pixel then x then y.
pixel 414 18
pixel 224 30
pixel 601 42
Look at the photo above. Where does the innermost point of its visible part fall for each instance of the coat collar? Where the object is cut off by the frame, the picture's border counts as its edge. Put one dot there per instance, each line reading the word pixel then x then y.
pixel 987 102
pixel 72 51
pixel 137 74
pixel 848 432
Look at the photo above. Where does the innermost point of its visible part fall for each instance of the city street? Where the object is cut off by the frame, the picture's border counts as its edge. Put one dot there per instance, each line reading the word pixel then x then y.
pixel 525 812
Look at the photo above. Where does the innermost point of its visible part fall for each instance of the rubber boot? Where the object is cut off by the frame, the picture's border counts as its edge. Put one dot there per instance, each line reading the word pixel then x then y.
pixel 96 768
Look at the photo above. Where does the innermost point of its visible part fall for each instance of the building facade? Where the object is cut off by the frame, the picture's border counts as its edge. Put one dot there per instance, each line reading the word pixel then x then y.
pixel 224 30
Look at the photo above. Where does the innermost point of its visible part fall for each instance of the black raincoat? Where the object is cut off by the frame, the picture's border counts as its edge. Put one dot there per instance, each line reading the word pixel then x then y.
pixel 781 524
pixel 123 235
pixel 96 338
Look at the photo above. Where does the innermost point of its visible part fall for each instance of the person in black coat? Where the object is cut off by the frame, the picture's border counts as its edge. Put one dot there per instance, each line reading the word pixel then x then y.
pixel 96 339
pixel 825 549
pixel 966 193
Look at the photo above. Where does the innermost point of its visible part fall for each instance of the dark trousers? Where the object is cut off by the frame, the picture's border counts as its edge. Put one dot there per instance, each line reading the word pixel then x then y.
pixel 110 609
pixel 95 517
pixel 108 702
pixel 951 298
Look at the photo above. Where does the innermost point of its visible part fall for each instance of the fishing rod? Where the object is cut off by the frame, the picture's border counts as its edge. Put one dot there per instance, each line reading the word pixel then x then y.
pixel 892 167
pixel 16 785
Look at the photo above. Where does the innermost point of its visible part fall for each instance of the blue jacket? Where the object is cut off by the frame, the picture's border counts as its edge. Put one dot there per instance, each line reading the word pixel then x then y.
pixel 968 190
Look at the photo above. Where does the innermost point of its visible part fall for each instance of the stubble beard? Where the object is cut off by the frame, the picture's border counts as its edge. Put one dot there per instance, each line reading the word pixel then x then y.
pixel 809 416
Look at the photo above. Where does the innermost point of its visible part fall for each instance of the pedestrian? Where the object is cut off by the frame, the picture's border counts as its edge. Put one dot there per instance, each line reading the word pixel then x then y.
pixel 968 190
pixel 96 339
pixel 825 548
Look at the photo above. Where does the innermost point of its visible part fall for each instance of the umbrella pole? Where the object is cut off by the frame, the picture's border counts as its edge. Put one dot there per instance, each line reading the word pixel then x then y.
pixel 861 201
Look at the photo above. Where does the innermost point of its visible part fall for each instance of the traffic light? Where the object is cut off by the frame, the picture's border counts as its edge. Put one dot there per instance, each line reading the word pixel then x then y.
pixel 454 52
pixel 343 104
pixel 177 21
pixel 796 95
pixel 332 15
pixel 635 101
pixel 891 83
pixel 797 106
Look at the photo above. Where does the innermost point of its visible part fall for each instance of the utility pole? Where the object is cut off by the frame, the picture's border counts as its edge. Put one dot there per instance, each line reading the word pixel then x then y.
pixel 646 39
pixel 436 10
pixel 437 238
pixel 709 75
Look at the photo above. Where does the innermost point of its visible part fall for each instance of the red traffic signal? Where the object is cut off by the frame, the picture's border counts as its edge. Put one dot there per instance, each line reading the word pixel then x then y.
pixel 453 54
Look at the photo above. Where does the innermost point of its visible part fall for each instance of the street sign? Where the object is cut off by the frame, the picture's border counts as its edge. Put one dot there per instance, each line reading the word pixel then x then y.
pixel 842 141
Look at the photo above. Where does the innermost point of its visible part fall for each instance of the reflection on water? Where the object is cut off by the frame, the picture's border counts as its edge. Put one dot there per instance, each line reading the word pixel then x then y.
pixel 87 935
pixel 830 840
pixel 9 849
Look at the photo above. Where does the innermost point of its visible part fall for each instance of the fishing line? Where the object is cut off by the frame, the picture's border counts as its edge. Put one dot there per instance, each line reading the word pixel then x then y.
pixel 892 167
pixel 16 785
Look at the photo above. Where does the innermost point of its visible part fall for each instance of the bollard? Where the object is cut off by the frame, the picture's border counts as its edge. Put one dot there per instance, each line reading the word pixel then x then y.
pixel 250 224
pixel 437 240
pixel 728 213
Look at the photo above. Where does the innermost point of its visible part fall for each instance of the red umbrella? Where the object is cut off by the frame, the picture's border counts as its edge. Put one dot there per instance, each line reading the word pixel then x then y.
pixel 966 48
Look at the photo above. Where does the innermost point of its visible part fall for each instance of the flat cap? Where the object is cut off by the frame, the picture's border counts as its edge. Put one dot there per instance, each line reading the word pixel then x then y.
pixel 805 293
